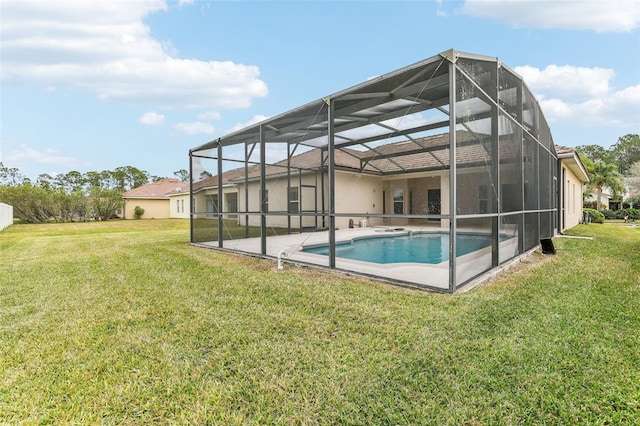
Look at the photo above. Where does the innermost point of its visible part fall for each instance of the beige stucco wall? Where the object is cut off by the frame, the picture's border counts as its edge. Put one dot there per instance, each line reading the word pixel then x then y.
pixel 572 198
pixel 309 198
pixel 153 208
pixel 205 200
pixel 417 184
pixel 357 197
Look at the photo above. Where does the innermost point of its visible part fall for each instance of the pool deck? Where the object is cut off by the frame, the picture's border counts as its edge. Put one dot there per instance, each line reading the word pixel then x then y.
pixel 289 249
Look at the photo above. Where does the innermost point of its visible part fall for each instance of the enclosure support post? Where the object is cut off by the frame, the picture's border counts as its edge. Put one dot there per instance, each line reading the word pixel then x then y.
pixel 332 183
pixel 246 189
pixel 452 177
pixel 219 207
pixel 288 187
pixel 299 200
pixel 191 206
pixel 495 169
pixel 519 96
pixel 263 188
pixel 323 206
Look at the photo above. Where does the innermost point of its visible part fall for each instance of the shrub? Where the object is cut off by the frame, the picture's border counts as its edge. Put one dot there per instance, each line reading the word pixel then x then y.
pixel 619 214
pixel 138 212
pixel 595 216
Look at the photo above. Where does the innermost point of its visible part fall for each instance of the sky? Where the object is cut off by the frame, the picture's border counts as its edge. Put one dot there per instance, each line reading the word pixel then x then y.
pixel 95 85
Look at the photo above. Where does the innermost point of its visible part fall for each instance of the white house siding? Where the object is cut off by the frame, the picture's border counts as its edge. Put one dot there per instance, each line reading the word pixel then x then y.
pixel 571 198
pixel 179 206
pixel 6 215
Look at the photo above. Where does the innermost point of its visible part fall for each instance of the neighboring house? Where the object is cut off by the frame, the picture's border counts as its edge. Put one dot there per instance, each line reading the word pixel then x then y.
pixel 573 176
pixel 631 184
pixel 154 199
pixel 606 199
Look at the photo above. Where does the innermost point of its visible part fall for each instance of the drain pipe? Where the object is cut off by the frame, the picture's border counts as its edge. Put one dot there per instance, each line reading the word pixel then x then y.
pixel 281 255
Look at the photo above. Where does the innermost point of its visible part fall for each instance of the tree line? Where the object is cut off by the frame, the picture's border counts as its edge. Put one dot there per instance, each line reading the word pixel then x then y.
pixel 616 168
pixel 71 196
pixel 76 196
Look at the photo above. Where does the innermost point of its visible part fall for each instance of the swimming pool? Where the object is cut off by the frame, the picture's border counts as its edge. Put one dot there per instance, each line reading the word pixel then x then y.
pixel 420 247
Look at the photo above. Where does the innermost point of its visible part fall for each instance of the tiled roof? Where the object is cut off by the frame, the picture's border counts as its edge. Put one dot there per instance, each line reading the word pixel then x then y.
pixel 212 182
pixel 421 154
pixel 565 150
pixel 158 189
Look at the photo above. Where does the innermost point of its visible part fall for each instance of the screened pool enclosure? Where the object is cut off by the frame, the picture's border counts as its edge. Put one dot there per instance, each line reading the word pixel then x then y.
pixel 453 149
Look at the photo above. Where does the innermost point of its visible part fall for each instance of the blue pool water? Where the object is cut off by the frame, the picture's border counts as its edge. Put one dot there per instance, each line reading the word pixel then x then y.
pixel 431 247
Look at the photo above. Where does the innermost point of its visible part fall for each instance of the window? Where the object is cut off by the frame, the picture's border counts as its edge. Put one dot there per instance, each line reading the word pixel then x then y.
pixel 182 201
pixel 384 202
pixel 398 201
pixel 193 203
pixel 293 200
pixel 483 199
pixel 177 206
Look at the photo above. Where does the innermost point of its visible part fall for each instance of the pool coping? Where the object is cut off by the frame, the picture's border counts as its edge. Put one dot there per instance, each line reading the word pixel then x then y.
pixel 287 249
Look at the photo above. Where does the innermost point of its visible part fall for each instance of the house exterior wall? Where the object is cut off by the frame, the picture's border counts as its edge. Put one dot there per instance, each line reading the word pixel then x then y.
pixel 357 197
pixel 206 202
pixel 153 208
pixel 415 187
pixel 179 206
pixel 605 198
pixel 571 198
pixel 309 187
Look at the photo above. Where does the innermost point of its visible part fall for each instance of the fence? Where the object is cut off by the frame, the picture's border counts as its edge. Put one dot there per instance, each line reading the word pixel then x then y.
pixel 6 215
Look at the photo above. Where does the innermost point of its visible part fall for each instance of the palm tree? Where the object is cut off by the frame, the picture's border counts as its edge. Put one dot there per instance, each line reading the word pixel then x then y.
pixel 605 175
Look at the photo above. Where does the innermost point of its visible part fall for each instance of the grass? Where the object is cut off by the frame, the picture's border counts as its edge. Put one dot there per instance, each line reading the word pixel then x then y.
pixel 206 229
pixel 125 323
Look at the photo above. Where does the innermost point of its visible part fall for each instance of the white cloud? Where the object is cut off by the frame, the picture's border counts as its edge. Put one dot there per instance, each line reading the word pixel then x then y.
pixel 567 80
pixel 105 47
pixel 152 118
pixel 582 95
pixel 254 120
pixel 27 155
pixel 194 128
pixel 596 15
pixel 209 115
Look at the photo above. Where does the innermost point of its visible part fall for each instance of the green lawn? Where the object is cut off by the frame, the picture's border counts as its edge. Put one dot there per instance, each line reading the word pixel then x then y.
pixel 126 323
